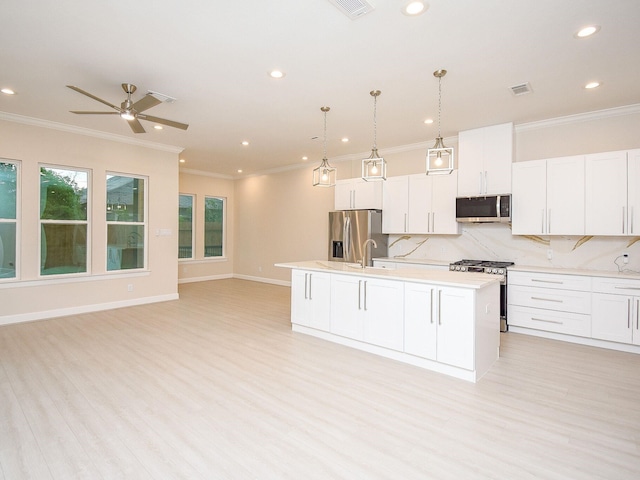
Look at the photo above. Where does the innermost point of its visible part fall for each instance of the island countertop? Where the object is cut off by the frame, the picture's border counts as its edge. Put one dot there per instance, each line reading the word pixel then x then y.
pixel 437 277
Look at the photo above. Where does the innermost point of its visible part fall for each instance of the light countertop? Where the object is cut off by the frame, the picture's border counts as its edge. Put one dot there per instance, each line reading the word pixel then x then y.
pixel 438 277
pixel 575 271
pixel 414 261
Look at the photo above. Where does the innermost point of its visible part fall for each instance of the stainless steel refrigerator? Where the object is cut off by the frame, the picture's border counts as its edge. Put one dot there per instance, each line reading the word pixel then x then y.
pixel 349 229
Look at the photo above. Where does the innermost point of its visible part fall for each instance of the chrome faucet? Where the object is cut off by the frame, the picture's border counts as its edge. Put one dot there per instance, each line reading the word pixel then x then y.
pixel 364 250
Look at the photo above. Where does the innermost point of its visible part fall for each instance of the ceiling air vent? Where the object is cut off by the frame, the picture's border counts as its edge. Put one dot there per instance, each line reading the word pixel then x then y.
pixel 521 89
pixel 353 9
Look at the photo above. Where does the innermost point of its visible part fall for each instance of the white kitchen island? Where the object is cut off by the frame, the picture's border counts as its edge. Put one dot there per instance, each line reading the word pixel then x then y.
pixel 444 321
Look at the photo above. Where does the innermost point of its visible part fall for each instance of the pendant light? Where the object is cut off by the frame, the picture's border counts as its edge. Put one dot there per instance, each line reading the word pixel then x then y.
pixel 374 168
pixel 325 174
pixel 439 157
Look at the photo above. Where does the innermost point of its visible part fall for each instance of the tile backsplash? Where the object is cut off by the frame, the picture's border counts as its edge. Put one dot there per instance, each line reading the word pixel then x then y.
pixel 495 242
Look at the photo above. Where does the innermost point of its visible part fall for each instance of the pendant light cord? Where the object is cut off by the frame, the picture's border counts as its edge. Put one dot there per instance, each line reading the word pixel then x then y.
pixel 439 103
pixel 375 125
pixel 324 142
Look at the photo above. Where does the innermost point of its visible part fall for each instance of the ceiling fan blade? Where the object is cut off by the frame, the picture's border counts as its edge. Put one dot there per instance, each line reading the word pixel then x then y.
pixel 79 90
pixel 136 126
pixel 94 113
pixel 145 103
pixel 164 121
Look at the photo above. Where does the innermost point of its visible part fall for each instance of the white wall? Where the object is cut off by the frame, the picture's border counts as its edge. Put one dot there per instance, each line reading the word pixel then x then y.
pixel 32 297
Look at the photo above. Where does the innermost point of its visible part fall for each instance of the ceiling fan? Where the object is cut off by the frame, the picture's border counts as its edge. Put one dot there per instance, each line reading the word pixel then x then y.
pixel 132 112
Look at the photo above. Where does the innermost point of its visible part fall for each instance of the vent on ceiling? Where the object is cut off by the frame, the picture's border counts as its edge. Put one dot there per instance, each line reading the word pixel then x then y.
pixel 161 96
pixel 353 9
pixel 521 89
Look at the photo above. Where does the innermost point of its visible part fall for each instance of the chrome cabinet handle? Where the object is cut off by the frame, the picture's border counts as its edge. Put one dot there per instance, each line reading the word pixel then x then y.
pixel 365 295
pixel 310 278
pixel 359 294
pixel 305 286
pixel 431 305
pixel 433 222
pixel 405 223
pixel 546 281
pixel 547 299
pixel 485 182
pixel 628 313
pixel 638 314
pixel 439 307
pixel 547 321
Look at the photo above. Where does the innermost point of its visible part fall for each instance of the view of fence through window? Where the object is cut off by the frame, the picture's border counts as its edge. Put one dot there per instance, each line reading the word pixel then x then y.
pixel 213 227
pixel 8 220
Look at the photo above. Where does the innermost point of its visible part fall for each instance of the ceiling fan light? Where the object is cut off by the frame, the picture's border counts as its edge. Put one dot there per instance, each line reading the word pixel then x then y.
pixel 127 115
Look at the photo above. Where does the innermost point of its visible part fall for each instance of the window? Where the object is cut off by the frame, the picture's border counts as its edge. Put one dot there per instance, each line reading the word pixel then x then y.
pixel 63 220
pixel 8 218
pixel 214 218
pixel 185 226
pixel 126 222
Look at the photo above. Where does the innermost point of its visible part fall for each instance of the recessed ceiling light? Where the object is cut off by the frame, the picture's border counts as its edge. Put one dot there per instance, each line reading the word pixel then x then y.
pixel 345 139
pixel 587 31
pixel 239 170
pixel 158 127
pixel 276 74
pixel 8 91
pixel 415 7
pixel 305 158
pixel 591 85
pixel 182 160
pixel 245 143
pixel 429 121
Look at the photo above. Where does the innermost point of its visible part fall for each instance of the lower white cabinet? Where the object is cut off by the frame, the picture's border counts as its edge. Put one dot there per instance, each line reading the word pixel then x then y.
pixel 368 309
pixel 310 299
pixel 616 310
pixel 439 324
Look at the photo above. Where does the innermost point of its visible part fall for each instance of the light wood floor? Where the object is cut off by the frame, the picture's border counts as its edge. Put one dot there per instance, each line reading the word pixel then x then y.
pixel 216 386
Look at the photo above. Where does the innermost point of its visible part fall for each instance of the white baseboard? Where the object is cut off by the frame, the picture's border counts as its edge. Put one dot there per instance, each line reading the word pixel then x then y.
pixel 61 312
pixel 282 283
pixel 205 279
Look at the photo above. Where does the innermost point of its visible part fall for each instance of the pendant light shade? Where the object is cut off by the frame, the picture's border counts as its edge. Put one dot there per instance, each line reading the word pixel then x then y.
pixel 439 157
pixel 374 168
pixel 324 175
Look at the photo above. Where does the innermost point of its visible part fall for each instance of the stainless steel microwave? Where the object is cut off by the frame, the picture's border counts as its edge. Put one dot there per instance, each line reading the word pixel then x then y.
pixel 484 209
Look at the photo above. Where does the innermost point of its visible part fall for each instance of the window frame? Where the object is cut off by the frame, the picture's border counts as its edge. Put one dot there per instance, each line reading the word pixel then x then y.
pixel 223 254
pixel 193 225
pixel 144 223
pixel 15 221
pixel 87 222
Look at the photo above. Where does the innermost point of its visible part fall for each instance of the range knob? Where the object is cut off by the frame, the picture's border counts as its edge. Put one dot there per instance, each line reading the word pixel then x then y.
pixel 501 271
pixel 463 269
pixel 495 270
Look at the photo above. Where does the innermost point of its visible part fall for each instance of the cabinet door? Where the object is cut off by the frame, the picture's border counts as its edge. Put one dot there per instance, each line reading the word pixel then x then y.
pixel 367 195
pixel 395 205
pixel 343 195
pixel 443 204
pixel 455 319
pixel 565 196
pixel 498 158
pixel 606 194
pixel 419 204
pixel 612 317
pixel 346 306
pixel 382 304
pixel 420 334
pixel 529 198
pixel 633 187
pixel 319 300
pixel 299 297
pixel 471 162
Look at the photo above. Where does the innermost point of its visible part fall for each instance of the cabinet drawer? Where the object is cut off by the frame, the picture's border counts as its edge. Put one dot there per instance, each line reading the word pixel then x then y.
pixel 550 299
pixel 617 286
pixel 550 321
pixel 550 280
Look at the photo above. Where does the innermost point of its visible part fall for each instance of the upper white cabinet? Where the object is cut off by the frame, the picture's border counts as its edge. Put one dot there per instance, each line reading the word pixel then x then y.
pixel 548 197
pixel 613 193
pixel 484 160
pixel 420 204
pixel 357 194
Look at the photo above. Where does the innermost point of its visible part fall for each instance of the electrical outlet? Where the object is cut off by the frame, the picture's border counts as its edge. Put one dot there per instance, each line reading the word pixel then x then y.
pixel 625 258
pixel 549 254
pixel 130 287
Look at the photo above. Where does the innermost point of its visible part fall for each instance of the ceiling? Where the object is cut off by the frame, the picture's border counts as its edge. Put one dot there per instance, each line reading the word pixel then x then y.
pixel 214 57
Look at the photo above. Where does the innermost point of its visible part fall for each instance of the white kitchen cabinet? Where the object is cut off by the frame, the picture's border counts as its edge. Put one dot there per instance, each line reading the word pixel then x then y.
pixel 310 299
pixel 550 302
pixel 485 156
pixel 439 324
pixel 616 310
pixel 368 309
pixel 613 193
pixel 548 197
pixel 420 204
pixel 357 194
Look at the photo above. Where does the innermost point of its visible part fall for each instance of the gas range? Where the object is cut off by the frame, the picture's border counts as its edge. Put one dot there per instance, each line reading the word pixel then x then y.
pixel 481 266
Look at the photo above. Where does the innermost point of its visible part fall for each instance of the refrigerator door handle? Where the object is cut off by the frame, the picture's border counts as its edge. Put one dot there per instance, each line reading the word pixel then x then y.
pixel 345 238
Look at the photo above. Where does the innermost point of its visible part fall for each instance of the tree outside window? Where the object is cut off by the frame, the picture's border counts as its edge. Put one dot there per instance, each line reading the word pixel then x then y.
pixel 185 226
pixel 214 217
pixel 8 218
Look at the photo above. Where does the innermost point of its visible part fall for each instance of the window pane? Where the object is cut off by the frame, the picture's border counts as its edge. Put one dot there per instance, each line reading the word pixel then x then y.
pixel 63 194
pixel 185 226
pixel 7 250
pixel 125 247
pixel 8 186
pixel 64 248
pixel 213 222
pixel 125 199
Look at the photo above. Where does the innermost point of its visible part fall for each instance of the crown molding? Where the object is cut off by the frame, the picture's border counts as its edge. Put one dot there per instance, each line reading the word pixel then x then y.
pixel 37 122
pixel 202 173
pixel 580 117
